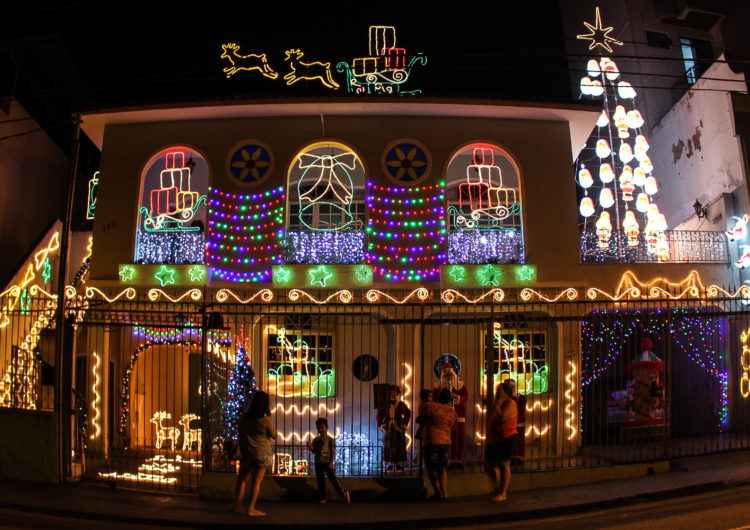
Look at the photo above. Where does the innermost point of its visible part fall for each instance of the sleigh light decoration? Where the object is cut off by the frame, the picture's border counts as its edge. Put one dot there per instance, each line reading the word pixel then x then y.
pixel 385 70
pixel 174 204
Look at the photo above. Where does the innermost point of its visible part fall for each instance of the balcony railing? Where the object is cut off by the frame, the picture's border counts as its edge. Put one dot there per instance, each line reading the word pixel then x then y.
pixel 685 246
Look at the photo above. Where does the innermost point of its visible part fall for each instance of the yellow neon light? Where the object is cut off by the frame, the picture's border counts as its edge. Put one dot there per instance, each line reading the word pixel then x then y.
pixel 599 35
pixel 407 392
pixel 249 62
pixel 190 436
pixel 308 71
pixel 569 293
pixel 306 409
pixel 89 248
pixel 745 362
pixel 714 290
pixel 96 420
pixel 538 404
pixel 345 296
pixel 194 294
pixel 449 296
pixel 629 280
pixel 296 435
pixel 593 293
pixel 570 405
pixel 535 430
pixel 140 477
pixel 35 290
pixel 54 244
pixel 164 433
pixel 745 385
pixel 128 293
pixel 480 435
pixel 222 295
pixel 373 295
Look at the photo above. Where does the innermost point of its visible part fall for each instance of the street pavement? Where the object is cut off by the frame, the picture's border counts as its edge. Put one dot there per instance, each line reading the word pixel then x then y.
pixel 102 506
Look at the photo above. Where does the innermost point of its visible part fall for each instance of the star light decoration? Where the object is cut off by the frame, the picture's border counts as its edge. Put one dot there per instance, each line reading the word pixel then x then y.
pixel 282 274
pixel 599 35
pixel 458 273
pixel 320 276
pixel 196 273
pixel 363 274
pixel 165 275
pixel 489 275
pixel 525 273
pixel 127 273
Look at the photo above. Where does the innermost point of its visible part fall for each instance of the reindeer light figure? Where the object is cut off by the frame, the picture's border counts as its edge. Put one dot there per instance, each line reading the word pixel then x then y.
pixel 190 435
pixel 164 433
pixel 247 62
pixel 308 71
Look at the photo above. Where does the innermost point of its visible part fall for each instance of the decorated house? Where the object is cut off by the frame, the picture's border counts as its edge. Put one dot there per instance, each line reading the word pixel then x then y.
pixel 327 250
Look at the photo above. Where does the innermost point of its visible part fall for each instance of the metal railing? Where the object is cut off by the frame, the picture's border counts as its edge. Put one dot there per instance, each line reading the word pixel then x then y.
pixel 682 246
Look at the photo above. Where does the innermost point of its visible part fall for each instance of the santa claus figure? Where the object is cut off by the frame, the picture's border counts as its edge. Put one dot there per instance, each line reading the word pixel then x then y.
pixel 449 379
pixel 393 421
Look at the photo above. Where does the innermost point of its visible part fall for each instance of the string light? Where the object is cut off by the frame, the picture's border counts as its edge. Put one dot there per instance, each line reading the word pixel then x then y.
pixel 193 294
pixel 222 295
pixel 374 295
pixel 324 247
pixel 449 296
pixel 96 420
pixel 570 404
pixel 344 296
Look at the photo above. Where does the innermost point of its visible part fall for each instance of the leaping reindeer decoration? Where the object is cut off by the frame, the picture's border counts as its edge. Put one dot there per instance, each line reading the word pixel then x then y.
pixel 308 71
pixel 247 62
pixel 164 433
pixel 189 436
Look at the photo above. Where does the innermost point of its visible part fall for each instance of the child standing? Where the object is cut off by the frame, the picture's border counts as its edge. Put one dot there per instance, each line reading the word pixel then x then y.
pixel 324 448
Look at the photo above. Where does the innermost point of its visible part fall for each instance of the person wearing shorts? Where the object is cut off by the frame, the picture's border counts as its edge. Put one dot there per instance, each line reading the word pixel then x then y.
pixel 502 437
pixel 438 421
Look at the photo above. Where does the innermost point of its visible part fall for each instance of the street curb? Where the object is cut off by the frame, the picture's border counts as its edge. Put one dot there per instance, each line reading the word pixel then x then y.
pixel 524 515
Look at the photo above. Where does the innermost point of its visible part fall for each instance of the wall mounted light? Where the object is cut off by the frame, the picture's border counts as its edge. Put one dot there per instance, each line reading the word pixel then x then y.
pixel 700 210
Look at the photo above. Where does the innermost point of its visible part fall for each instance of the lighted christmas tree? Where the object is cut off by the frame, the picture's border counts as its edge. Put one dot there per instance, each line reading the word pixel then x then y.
pixel 239 390
pixel 619 216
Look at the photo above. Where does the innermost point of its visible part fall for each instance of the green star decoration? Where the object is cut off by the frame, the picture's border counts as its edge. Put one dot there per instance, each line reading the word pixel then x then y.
pixel 197 273
pixel 363 274
pixel 282 274
pixel 458 273
pixel 489 275
pixel 47 270
pixel 165 275
pixel 321 275
pixel 25 301
pixel 525 273
pixel 127 273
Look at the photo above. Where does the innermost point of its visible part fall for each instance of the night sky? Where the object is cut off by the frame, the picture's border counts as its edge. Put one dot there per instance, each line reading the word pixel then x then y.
pixel 91 55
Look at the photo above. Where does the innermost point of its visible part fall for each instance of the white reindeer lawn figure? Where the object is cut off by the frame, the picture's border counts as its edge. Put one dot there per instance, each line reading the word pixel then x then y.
pixel 164 433
pixel 190 435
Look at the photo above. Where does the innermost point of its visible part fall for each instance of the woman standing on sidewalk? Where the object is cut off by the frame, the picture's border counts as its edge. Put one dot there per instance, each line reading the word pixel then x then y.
pixel 438 419
pixel 502 437
pixel 256 433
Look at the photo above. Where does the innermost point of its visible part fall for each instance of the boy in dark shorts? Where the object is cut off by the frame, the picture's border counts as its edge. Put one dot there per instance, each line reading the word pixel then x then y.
pixel 323 447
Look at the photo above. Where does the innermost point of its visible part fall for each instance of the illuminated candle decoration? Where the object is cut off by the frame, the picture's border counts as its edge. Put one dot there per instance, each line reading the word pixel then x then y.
pixel 91 202
pixel 739 230
pixel 406 163
pixel 250 163
pixel 406 232
pixel 245 234
pixel 385 70
pixel 308 71
pixel 248 63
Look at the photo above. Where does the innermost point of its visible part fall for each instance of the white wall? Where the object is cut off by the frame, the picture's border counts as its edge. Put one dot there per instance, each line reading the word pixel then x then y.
pixel 699 156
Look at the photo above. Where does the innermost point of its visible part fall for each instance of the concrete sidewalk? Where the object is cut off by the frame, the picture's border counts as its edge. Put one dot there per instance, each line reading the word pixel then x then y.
pixel 100 503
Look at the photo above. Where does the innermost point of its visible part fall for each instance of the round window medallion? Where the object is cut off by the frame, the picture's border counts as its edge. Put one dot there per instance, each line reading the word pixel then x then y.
pixel 366 368
pixel 406 162
pixel 249 162
pixel 446 358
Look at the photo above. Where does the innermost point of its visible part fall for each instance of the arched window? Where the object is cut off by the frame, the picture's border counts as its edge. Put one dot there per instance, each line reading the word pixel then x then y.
pixel 484 206
pixel 172 209
pixel 326 210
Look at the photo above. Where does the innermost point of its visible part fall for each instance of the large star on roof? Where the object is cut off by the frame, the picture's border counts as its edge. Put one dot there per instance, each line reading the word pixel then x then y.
pixel 599 35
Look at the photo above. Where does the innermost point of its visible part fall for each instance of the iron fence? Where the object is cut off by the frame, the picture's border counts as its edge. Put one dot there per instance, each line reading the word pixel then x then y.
pixel 601 381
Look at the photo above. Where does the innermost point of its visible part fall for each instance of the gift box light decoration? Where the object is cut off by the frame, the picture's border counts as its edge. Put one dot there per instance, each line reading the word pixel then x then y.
pixel 245 234
pixel 484 217
pixel 406 231
pixel 619 123
pixel 172 211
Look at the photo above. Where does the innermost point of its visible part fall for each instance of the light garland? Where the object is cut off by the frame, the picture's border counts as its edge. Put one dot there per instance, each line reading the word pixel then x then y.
pixel 405 240
pixel 193 294
pixel 307 409
pixel 222 295
pixel 344 296
pixel 570 401
pixel 92 292
pixel 485 246
pixel 569 294
pixel 745 363
pixel 170 247
pixel 245 233
pixel 373 296
pixel 96 405
pixel 449 296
